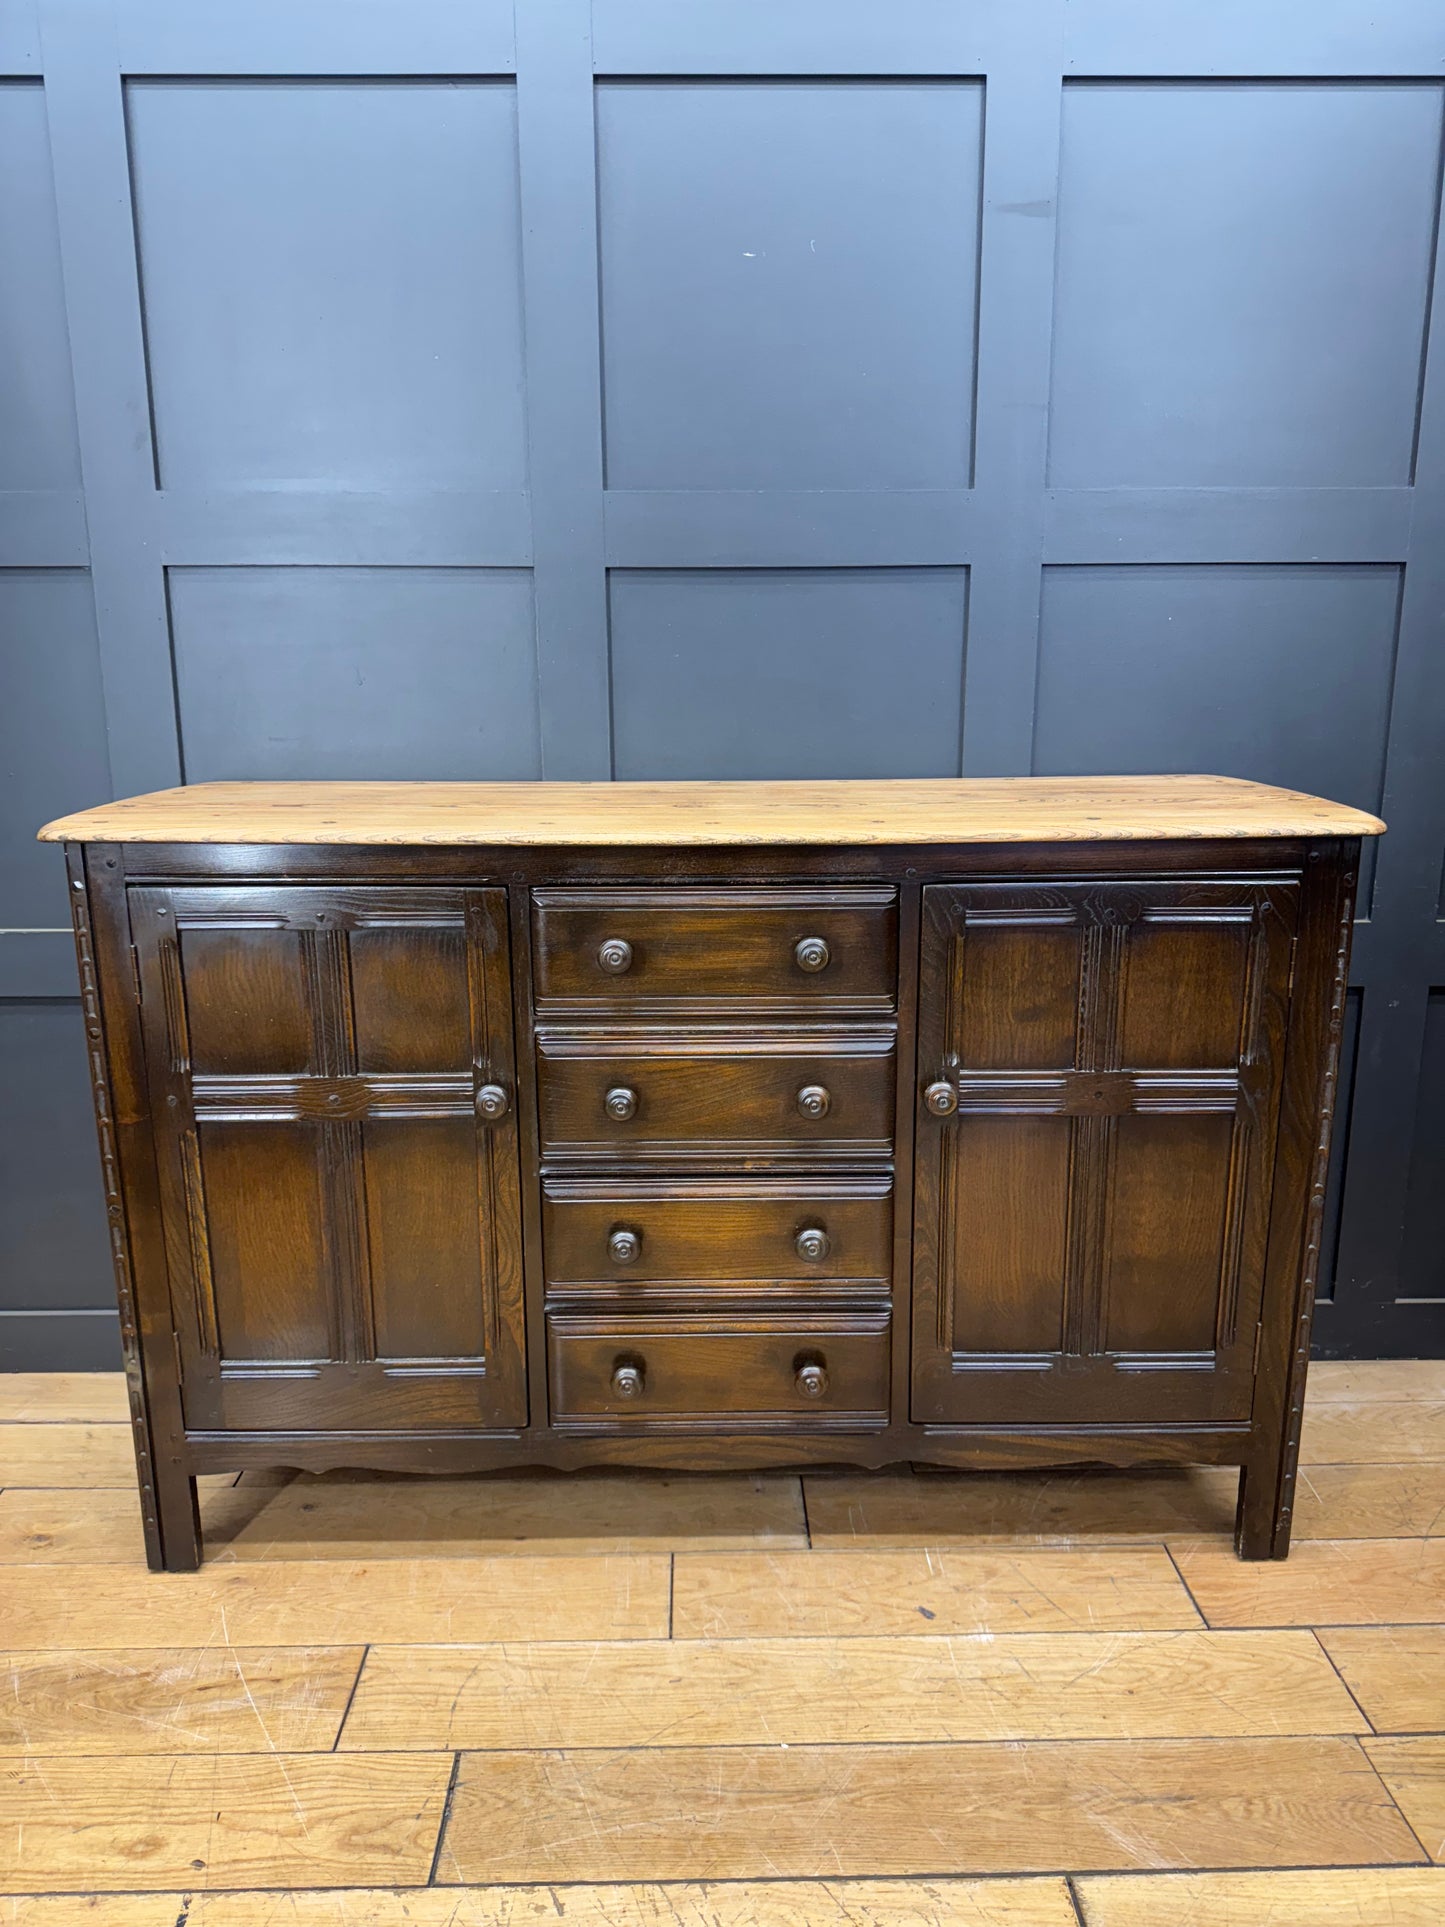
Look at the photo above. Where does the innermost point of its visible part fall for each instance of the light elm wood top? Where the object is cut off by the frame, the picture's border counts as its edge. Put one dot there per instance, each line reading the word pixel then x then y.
pixel 1014 809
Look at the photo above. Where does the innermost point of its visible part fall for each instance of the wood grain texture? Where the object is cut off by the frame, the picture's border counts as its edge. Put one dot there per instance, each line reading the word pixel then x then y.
pixel 182 1700
pixel 341 1604
pixel 61 1455
pixel 76 1525
pixel 848 1691
pixel 352 1516
pixel 1092 1508
pixel 785 1595
pixel 1360 1582
pixel 50 1397
pixel 793 1903
pixel 939 810
pixel 949 1509
pixel 230 1820
pixel 1337 1897
pixel 1414 1771
pixel 1373 1431
pixel 1397 1673
pixel 749 1812
pixel 1351 1381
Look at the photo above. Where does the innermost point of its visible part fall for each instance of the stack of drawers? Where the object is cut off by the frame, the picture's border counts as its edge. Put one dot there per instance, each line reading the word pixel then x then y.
pixel 716 1096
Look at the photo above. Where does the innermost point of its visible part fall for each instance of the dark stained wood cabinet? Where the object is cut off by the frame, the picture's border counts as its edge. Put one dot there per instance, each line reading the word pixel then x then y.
pixel 464 1126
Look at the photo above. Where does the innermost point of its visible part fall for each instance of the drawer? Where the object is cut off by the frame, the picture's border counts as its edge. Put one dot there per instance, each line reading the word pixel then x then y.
pixel 759 1236
pixel 740 1374
pixel 688 1098
pixel 674 950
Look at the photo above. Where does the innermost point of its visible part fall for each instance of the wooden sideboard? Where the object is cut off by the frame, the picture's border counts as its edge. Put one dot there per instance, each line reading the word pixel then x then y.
pixel 461 1126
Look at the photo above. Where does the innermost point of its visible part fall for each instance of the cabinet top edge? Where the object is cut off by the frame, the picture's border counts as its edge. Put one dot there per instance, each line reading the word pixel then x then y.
pixel 955 810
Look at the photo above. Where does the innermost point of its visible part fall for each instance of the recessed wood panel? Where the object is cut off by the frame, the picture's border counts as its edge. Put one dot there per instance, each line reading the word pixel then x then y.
pixel 266 1240
pixel 331 275
pixel 245 999
pixel 1230 254
pixel 38 447
pixel 788 281
pixel 426 1232
pixel 1166 1233
pixel 409 998
pixel 1184 992
pixel 355 672
pixel 787 673
pixel 1018 996
pixel 1010 1195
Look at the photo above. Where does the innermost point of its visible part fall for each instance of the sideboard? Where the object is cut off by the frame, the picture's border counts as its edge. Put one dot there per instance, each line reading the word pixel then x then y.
pixel 463 1126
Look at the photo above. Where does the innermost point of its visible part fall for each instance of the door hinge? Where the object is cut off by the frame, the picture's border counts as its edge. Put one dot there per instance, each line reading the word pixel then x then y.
pixel 135 974
pixel 1258 1341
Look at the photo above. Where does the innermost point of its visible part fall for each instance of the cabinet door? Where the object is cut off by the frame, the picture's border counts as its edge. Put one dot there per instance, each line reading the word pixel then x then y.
pixel 1092 1203
pixel 338 1170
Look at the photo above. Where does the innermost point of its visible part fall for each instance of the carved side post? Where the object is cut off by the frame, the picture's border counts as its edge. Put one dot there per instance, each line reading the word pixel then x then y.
pixel 114 1053
pixel 1302 1155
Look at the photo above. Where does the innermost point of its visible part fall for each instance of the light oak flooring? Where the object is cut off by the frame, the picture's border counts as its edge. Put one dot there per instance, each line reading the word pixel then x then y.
pixel 896 1700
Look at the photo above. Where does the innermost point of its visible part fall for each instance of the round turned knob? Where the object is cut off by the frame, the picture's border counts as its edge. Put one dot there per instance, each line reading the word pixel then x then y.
pixel 620 1102
pixel 492 1102
pixel 812 1379
pixel 615 956
pixel 811 954
pixel 941 1098
pixel 627 1381
pixel 624 1246
pixel 813 1100
pixel 812 1244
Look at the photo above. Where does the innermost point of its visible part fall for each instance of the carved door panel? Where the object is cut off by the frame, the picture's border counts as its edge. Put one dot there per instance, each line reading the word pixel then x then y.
pixel 332 1080
pixel 1099 1070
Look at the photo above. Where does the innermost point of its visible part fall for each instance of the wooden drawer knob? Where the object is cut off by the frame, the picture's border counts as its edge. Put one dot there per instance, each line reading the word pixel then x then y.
pixel 627 1379
pixel 812 1244
pixel 492 1103
pixel 624 1246
pixel 814 1101
pixel 811 1378
pixel 615 956
pixel 941 1098
pixel 620 1103
pixel 811 954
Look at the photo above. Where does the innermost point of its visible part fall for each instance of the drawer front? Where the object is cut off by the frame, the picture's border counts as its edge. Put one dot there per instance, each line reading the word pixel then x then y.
pixel 678 950
pixel 689 1099
pixel 744 1374
pixel 760 1236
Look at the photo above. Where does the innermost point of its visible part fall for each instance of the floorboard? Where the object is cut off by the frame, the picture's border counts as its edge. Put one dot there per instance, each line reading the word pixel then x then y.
pixel 906 1699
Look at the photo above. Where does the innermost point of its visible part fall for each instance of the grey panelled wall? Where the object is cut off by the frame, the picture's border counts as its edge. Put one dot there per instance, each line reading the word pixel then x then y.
pixel 750 387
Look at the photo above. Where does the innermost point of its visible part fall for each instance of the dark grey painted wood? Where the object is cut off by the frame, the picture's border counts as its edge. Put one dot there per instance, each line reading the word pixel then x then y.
pixel 53 1242
pixel 38 447
pixel 355 672
pixel 52 736
pixel 1243 274
pixel 986 387
pixel 787 672
pixel 318 310
pixel 793 326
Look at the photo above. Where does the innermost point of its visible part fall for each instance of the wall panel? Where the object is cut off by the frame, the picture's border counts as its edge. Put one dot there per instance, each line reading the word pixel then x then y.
pixel 744 388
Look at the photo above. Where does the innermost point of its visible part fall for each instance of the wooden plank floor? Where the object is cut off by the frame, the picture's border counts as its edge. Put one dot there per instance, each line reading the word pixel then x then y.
pixel 903 1700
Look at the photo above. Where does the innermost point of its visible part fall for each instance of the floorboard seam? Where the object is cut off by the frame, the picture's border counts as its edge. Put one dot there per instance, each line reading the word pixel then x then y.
pixel 350 1697
pixel 431 1879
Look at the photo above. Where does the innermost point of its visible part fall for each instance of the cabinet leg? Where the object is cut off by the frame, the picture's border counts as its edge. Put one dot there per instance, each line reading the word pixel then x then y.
pixel 173 1536
pixel 1262 1520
